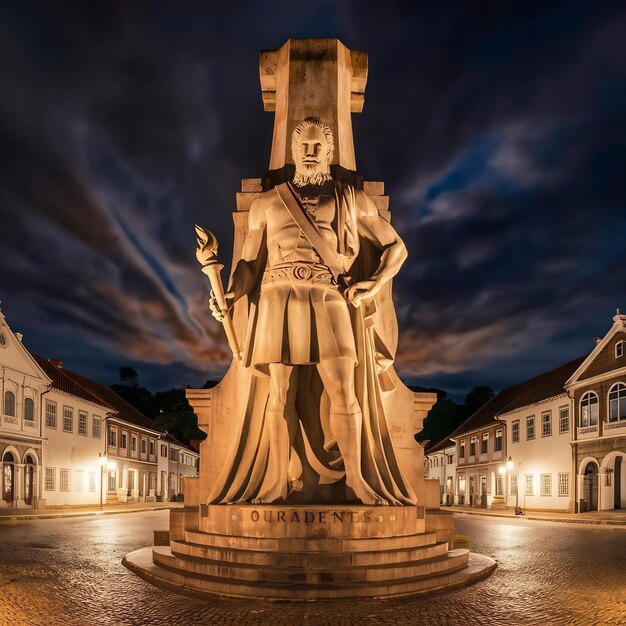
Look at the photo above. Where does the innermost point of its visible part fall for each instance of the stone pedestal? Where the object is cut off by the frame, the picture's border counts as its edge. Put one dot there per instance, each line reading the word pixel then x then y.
pixel 309 552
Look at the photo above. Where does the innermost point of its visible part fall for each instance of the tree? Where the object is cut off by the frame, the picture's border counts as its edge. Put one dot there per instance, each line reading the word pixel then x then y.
pixel 128 375
pixel 476 397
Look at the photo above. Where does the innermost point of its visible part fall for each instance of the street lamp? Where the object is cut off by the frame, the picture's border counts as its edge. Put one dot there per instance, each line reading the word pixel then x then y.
pixel 508 466
pixel 102 460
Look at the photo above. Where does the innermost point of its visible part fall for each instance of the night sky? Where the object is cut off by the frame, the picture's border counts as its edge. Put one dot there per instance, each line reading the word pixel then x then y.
pixel 498 128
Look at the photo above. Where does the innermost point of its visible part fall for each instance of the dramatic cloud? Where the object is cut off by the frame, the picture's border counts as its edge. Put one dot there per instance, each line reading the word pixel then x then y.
pixel 499 133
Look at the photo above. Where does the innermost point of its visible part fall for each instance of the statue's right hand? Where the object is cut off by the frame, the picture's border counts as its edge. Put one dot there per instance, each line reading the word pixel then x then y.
pixel 229 296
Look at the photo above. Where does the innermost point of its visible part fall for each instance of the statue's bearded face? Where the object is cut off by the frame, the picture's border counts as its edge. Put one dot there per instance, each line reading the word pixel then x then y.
pixel 311 155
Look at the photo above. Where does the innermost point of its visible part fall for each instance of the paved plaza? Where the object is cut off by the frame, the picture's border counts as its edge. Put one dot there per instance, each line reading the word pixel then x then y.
pixel 68 572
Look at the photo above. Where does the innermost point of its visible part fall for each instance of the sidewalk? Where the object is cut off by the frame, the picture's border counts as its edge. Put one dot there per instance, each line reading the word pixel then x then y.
pixel 12 515
pixel 616 517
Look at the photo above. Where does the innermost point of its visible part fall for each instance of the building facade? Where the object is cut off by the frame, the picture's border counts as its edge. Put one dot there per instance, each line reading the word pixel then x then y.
pixel 66 440
pixel 598 392
pixel 23 384
pixel 440 464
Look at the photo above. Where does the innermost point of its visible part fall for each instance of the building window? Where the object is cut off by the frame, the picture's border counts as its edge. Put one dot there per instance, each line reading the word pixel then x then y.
pixel 51 414
pixel 589 410
pixel 497 444
pixel 564 419
pixel 619 349
pixel 143 446
pixel 151 447
pixel 92 482
pixel 65 480
pixel 82 423
pixel 112 440
pixel 461 485
pixel 513 485
pixel 564 484
pixel 498 484
pixel 163 450
pixel 9 403
pixel 546 484
pixel 29 410
pixel 112 483
pixel 462 449
pixel 173 454
pixel 484 444
pixel 450 459
pixel 68 419
pixel 79 480
pixel 617 402
pixel 123 441
pixel 473 446
pixel 530 427
pixel 529 484
pixel 50 478
pixel 96 427
pixel 546 424
pixel 515 431
pixel 133 443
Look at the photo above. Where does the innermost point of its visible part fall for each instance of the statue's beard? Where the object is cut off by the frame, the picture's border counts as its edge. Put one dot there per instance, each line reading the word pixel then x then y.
pixel 317 177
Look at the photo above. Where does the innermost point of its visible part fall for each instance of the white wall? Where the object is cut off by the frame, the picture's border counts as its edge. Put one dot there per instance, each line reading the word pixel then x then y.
pixel 74 452
pixel 544 455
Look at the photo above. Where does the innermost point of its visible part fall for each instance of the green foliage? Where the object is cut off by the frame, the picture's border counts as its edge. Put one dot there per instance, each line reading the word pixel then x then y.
pixel 169 409
pixel 446 415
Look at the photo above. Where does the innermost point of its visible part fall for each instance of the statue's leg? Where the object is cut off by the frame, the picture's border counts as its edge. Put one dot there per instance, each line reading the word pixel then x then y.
pixel 279 414
pixel 346 422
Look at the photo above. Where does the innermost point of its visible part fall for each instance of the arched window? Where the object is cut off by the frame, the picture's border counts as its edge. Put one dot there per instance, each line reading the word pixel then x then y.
pixel 589 410
pixel 617 402
pixel 29 409
pixel 9 403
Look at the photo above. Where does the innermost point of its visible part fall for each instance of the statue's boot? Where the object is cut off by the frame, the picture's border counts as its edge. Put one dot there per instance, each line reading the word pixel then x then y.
pixel 346 428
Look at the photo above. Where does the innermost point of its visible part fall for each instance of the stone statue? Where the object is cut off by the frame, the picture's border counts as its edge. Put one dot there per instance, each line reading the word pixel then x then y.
pixel 302 314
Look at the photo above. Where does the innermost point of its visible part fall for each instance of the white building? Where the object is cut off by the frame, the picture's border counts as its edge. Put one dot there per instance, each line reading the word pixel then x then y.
pixel 538 429
pixel 66 440
pixel 22 384
pixel 440 461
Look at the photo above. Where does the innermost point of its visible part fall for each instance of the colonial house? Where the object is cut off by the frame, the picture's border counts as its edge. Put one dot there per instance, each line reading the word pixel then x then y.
pixel 440 464
pixel 22 385
pixel 480 452
pixel 68 440
pixel 598 391
pixel 538 425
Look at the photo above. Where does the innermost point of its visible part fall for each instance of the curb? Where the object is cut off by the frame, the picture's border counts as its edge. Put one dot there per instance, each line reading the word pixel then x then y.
pixel 599 522
pixel 30 516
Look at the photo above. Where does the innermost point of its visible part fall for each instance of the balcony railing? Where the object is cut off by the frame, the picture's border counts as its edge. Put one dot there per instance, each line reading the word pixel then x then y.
pixel 587 432
pixel 614 425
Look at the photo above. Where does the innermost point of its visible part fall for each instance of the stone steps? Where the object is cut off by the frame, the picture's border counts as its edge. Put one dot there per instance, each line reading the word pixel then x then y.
pixel 297 544
pixel 307 559
pixel 382 581
pixel 286 575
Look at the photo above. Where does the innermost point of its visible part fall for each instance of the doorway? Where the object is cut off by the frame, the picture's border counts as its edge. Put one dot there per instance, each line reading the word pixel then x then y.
pixel 29 479
pixel 617 483
pixel 590 487
pixel 8 477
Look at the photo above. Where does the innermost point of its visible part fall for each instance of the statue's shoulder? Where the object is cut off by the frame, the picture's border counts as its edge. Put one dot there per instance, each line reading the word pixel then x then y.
pixel 265 199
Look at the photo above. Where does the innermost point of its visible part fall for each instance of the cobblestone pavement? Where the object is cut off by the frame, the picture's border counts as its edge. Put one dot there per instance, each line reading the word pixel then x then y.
pixel 68 572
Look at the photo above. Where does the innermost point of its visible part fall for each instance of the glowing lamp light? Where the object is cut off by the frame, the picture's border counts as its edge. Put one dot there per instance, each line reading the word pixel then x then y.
pixel 509 464
pixel 502 469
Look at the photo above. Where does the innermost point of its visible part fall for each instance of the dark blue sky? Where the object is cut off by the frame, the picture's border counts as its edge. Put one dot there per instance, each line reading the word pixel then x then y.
pixel 498 128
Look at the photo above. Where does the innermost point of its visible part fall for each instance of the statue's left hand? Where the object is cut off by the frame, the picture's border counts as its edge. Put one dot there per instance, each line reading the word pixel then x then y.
pixel 361 291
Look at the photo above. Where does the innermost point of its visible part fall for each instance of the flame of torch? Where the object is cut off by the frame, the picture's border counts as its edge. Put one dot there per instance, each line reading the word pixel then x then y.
pixel 206 253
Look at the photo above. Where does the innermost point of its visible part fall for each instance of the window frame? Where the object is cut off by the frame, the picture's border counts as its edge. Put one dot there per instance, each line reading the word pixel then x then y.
pixel 530 426
pixel 545 488
pixel 619 349
pixel 51 473
pixel 462 449
pixel 472 448
pixel 31 402
pixel 546 432
pixel 615 388
pixel 562 475
pixel 96 419
pixel 67 473
pixel 112 430
pixel 51 423
pixel 484 443
pixel 9 393
pixel 498 440
pixel 83 418
pixel 515 432
pixel 561 429
pixel 590 417
pixel 68 410
pixel 529 486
